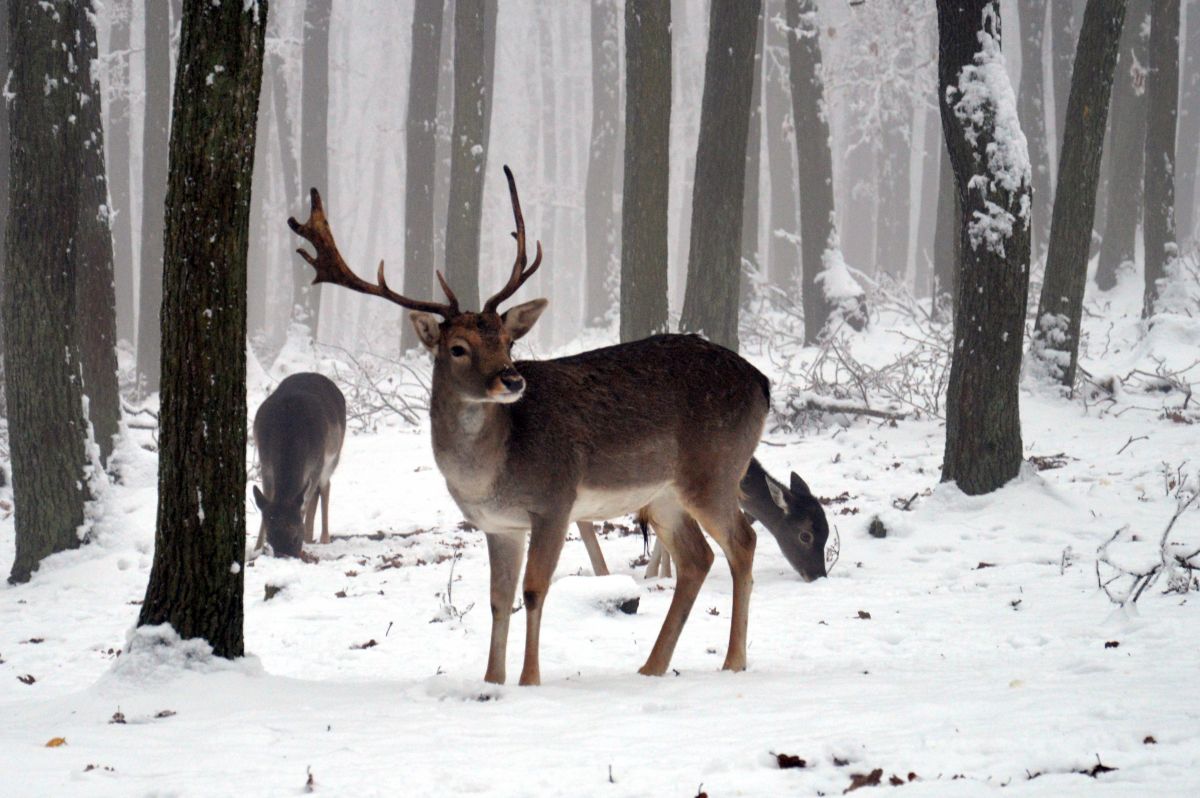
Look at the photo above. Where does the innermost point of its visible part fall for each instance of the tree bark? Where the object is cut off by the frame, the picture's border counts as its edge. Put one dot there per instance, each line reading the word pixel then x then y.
pixel 600 224
pixel 711 300
pixel 783 254
pixel 314 137
pixel 946 236
pixel 196 582
pixel 42 373
pixel 1056 328
pixel 468 147
pixel 817 234
pixel 1065 16
pixel 891 237
pixel 420 150
pixel 983 423
pixel 156 119
pixel 118 143
pixel 96 320
pixel 1188 138
pixel 1128 149
pixel 5 173
pixel 647 167
pixel 1032 110
pixel 929 200
pixel 752 265
pixel 445 117
pixel 1162 109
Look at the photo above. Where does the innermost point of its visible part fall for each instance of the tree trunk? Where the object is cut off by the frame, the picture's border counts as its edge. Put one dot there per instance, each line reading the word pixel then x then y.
pixel 95 300
pixel 711 301
pixel 928 199
pixel 647 168
pixel 1162 109
pixel 946 236
pixel 817 235
pixel 468 147
pixel 1056 330
pixel 118 167
pixel 420 150
pixel 445 124
pixel 783 253
pixel 1032 110
pixel 156 118
pixel 1128 148
pixel 752 265
pixel 314 137
pixel 1188 138
pixel 983 423
pixel 601 229
pixel 196 582
pixel 891 237
pixel 42 375
pixel 5 175
pixel 1065 16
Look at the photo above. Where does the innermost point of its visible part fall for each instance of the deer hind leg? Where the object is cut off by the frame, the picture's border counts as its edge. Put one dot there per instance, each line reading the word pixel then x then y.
pixel 733 533
pixel 262 535
pixel 587 531
pixel 659 564
pixel 325 513
pixel 310 516
pixel 505 553
pixel 545 544
pixel 682 539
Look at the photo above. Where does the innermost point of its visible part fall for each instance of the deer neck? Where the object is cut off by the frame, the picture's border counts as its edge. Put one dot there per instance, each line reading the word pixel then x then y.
pixel 469 440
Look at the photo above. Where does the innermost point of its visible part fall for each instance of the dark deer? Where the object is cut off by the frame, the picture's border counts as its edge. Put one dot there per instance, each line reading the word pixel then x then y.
pixel 792 515
pixel 667 424
pixel 298 431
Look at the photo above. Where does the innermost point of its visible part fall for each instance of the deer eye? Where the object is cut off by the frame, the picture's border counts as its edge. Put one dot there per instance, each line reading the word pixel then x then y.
pixel 458 351
pixel 806 538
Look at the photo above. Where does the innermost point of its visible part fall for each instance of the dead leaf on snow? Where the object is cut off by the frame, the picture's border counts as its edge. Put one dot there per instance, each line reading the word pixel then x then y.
pixel 56 742
pixel 857 780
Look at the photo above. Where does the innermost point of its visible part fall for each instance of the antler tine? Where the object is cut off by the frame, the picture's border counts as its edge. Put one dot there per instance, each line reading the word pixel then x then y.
pixel 331 268
pixel 519 273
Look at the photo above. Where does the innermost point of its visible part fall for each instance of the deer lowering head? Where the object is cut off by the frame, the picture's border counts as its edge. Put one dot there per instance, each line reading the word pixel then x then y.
pixel 667 424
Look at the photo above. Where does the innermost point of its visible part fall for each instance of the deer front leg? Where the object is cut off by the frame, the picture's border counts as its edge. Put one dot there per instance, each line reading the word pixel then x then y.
pixel 505 553
pixel 325 513
pixel 545 544
pixel 310 516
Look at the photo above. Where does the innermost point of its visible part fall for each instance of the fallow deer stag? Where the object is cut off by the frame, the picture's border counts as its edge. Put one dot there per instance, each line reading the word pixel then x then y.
pixel 668 424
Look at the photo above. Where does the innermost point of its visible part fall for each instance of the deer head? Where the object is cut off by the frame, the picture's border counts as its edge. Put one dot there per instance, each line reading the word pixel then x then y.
pixel 283 522
pixel 803 530
pixel 472 351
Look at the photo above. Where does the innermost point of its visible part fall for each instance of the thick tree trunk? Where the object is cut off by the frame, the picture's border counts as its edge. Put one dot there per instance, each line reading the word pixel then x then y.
pixel 468 147
pixel 1162 110
pixel 118 144
pixel 314 136
pixel 445 125
pixel 1056 329
pixel 983 423
pixel 600 222
pixel 751 258
pixel 711 301
pixel 275 69
pixel 946 236
pixel 42 374
pixel 1188 139
pixel 5 174
pixel 156 119
pixel 817 234
pixel 1032 110
pixel 95 300
pixel 647 167
pixel 783 253
pixel 420 152
pixel 1128 148
pixel 196 582
pixel 1065 17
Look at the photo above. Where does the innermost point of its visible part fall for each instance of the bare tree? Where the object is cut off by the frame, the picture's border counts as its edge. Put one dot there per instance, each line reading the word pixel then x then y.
pixel 156 119
pixel 314 134
pixel 987 151
pixel 1065 16
pixel 42 374
pixel 946 235
pixel 1162 109
pixel 1056 329
pixel 817 234
pixel 4 150
pixel 600 222
pixel 118 142
pixel 783 252
pixel 1032 110
pixel 711 300
pixel 1188 138
pixel 752 264
pixel 647 166
pixel 196 581
pixel 1128 148
pixel 420 153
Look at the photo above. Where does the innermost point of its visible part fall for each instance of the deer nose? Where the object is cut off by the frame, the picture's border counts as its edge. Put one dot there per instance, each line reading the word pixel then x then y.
pixel 512 380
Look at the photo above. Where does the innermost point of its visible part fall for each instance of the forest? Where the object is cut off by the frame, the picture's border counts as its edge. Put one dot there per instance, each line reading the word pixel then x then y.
pixel 784 397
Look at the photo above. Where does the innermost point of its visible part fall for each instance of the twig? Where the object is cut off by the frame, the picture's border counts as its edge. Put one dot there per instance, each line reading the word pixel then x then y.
pixel 1131 440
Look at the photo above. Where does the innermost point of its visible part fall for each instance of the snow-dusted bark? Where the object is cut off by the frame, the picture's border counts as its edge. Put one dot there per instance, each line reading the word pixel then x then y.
pixel 991 163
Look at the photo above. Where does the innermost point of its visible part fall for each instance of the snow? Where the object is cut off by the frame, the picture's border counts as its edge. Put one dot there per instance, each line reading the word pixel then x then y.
pixel 835 278
pixel 985 654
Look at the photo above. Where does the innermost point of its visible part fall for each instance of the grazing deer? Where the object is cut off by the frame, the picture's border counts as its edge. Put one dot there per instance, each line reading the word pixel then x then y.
pixel 298 431
pixel 668 424
pixel 792 515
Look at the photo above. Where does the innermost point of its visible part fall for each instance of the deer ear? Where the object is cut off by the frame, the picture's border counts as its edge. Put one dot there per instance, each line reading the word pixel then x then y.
pixel 427 327
pixel 777 495
pixel 520 319
pixel 259 498
pixel 799 487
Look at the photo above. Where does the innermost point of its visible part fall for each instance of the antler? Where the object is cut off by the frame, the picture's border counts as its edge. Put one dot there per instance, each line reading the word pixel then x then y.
pixel 519 273
pixel 331 268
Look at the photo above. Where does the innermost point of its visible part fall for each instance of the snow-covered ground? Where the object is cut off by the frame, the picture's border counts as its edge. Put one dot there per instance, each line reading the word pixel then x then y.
pixel 970 648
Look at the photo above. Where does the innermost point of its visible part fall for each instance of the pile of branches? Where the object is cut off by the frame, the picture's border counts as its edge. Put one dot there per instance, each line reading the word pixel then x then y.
pixel 379 389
